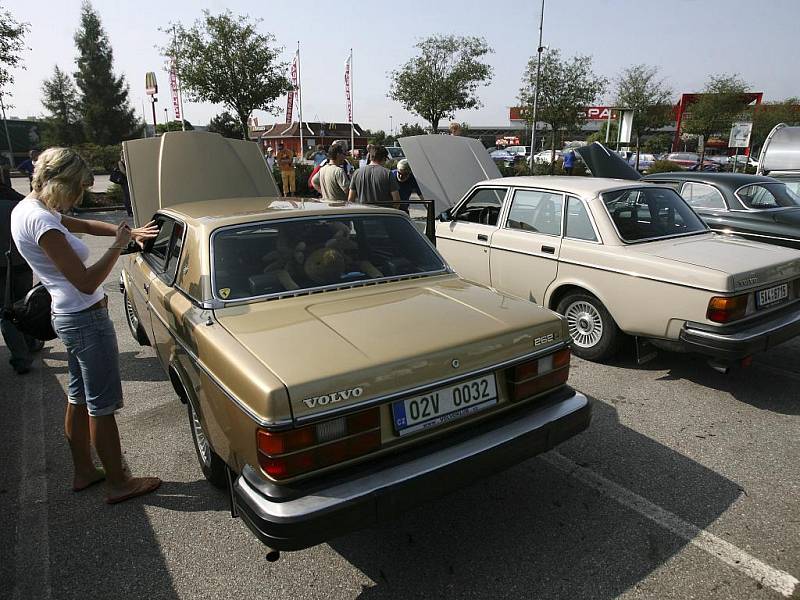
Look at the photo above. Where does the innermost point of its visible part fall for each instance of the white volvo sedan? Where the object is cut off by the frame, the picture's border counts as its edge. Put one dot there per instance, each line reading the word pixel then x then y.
pixel 615 257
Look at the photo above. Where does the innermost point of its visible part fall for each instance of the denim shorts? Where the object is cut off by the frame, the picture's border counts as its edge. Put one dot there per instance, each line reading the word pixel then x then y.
pixel 93 358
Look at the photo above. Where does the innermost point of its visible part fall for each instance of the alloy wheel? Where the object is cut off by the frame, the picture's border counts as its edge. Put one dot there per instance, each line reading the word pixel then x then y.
pixel 585 324
pixel 203 447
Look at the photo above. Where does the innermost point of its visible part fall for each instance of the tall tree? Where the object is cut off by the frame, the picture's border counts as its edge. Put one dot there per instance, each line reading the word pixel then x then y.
pixel 227 125
pixel 12 43
pixel 639 88
pixel 442 78
pixel 60 99
pixel 566 87
pixel 409 129
pixel 105 110
pixel 715 110
pixel 769 114
pixel 224 59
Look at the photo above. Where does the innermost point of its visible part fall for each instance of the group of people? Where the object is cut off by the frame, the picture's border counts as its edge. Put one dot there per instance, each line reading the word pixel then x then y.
pixel 336 180
pixel 44 241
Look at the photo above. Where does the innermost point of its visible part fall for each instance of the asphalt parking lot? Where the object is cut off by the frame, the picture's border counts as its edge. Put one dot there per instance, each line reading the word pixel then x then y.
pixel 686 485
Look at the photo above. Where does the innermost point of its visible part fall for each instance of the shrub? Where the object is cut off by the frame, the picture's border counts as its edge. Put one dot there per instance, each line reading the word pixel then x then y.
pixel 664 166
pixel 101 159
pixel 301 173
pixel 114 195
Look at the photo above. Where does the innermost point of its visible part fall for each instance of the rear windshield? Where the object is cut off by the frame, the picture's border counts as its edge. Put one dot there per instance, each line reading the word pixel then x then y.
pixel 650 213
pixel 288 256
pixel 767 195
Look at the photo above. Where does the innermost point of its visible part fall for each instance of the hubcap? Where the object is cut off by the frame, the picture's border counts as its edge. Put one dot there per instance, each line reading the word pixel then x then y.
pixel 585 324
pixel 132 318
pixel 203 447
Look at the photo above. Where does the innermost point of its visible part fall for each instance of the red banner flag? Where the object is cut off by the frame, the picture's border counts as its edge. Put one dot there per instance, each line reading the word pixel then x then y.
pixel 347 89
pixel 173 86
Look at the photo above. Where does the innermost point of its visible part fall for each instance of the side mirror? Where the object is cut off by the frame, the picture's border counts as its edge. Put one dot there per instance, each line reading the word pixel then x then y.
pixel 445 216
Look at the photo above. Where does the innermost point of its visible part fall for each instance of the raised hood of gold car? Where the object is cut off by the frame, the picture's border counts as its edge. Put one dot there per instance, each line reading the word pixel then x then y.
pixel 386 338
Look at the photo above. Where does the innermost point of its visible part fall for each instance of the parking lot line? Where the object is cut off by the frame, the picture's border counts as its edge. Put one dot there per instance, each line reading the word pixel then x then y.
pixel 775 579
pixel 32 544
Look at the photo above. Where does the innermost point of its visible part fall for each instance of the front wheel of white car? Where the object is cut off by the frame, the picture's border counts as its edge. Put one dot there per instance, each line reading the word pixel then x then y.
pixel 595 335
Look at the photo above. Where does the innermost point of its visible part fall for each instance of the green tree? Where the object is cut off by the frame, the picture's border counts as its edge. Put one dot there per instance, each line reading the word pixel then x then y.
pixel 60 99
pixel 105 111
pixel 715 110
pixel 565 88
pixel 223 59
pixel 600 134
pixel 409 129
pixel 769 114
pixel 380 138
pixel 173 125
pixel 656 144
pixel 442 78
pixel 226 124
pixel 640 89
pixel 12 43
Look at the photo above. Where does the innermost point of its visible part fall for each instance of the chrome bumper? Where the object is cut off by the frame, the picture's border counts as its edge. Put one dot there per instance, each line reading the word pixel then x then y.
pixel 735 342
pixel 386 489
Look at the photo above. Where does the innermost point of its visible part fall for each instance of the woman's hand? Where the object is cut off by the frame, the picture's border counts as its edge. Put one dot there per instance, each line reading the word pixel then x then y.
pixel 141 234
pixel 123 235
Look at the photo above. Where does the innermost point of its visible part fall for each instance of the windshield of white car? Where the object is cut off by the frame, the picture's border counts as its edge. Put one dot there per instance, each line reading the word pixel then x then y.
pixel 767 195
pixel 278 257
pixel 641 214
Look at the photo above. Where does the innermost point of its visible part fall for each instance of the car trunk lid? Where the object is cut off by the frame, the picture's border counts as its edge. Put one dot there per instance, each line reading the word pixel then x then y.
pixel 338 349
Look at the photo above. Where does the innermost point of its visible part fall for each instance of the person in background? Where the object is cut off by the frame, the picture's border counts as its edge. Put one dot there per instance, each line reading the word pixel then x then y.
pixel 119 175
pixel 45 237
pixel 20 346
pixel 331 179
pixel 285 159
pixel 374 183
pixel 319 155
pixel 455 128
pixel 269 158
pixel 363 161
pixel 569 162
pixel 406 184
pixel 27 165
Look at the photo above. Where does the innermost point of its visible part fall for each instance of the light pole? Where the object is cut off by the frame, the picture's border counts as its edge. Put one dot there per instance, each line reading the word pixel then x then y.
pixel 391 127
pixel 539 50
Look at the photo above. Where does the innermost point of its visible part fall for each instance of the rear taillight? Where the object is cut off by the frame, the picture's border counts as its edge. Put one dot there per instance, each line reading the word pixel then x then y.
pixel 536 376
pixel 284 454
pixel 724 309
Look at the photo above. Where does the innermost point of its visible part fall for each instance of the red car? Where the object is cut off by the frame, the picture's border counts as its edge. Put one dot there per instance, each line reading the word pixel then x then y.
pixel 687 160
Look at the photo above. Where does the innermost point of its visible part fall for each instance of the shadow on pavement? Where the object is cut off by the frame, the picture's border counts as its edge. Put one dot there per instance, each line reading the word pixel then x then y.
pixel 132 366
pixel 533 531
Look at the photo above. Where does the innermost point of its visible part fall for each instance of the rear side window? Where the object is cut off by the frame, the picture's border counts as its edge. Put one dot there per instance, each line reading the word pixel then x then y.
pixel 650 213
pixel 174 252
pixel 767 195
pixel 701 195
pixel 579 227
pixel 536 211
pixel 483 207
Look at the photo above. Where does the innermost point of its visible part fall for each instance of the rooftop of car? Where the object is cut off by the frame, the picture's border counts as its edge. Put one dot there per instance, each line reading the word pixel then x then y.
pixel 586 186
pixel 733 180
pixel 232 211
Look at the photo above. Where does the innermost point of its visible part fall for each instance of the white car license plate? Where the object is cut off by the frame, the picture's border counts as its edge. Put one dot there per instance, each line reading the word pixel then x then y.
pixel 772 295
pixel 445 404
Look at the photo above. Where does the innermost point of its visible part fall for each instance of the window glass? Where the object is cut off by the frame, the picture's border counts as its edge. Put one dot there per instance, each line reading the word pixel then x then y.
pixel 174 252
pixel 579 226
pixel 288 256
pixel 701 195
pixel 537 211
pixel 649 213
pixel 156 250
pixel 767 195
pixel 483 207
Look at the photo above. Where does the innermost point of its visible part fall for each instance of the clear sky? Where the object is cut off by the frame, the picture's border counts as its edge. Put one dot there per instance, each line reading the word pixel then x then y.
pixel 686 39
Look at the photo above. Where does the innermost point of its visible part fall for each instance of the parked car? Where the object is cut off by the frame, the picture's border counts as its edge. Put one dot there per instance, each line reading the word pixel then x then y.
pixel 752 206
pixel 545 157
pixel 503 157
pixel 780 156
pixel 334 367
pixel 645 161
pixel 522 152
pixel 395 152
pixel 614 257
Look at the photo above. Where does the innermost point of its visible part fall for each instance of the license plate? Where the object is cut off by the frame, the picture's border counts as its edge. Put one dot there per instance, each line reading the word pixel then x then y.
pixel 772 295
pixel 444 405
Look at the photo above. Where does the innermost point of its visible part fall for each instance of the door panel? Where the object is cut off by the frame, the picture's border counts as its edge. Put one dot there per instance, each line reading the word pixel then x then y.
pixel 140 277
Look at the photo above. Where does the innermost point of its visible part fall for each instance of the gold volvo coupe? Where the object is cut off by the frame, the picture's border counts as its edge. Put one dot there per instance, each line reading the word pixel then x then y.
pixel 614 256
pixel 334 368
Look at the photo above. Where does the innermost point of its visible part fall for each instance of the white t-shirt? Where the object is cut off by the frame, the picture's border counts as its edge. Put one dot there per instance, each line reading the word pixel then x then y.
pixel 30 219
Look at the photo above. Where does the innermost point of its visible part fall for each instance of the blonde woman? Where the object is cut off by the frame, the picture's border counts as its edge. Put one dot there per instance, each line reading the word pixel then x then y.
pixel 45 238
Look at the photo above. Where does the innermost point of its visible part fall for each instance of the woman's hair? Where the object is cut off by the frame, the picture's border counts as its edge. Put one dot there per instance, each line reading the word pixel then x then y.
pixel 60 177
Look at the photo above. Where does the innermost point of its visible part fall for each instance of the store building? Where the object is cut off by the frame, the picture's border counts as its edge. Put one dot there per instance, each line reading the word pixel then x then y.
pixel 269 136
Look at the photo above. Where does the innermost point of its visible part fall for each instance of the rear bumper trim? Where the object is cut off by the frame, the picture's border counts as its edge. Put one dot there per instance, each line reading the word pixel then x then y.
pixel 356 503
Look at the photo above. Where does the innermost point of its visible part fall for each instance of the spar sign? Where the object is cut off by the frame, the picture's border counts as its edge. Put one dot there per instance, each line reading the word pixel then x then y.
pixel 590 113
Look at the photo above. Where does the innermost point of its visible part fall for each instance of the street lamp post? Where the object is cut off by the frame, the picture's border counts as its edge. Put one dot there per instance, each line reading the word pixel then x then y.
pixel 539 50
pixel 391 127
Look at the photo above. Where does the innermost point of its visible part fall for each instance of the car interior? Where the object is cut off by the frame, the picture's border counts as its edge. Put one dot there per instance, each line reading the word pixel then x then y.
pixel 641 214
pixel 483 207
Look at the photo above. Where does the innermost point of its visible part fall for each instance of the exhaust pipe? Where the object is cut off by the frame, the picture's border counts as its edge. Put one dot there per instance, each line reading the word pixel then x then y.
pixel 719 366
pixel 273 555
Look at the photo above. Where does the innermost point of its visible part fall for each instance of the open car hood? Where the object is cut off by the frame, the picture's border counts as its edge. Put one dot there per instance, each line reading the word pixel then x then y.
pixel 603 162
pixel 446 166
pixel 185 166
pixel 781 151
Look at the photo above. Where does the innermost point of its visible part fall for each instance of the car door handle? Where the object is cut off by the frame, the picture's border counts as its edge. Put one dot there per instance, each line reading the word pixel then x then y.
pixel 146 287
pixel 483 238
pixel 548 249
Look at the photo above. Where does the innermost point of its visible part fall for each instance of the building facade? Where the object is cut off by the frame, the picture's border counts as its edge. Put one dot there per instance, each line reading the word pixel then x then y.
pixel 314 134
